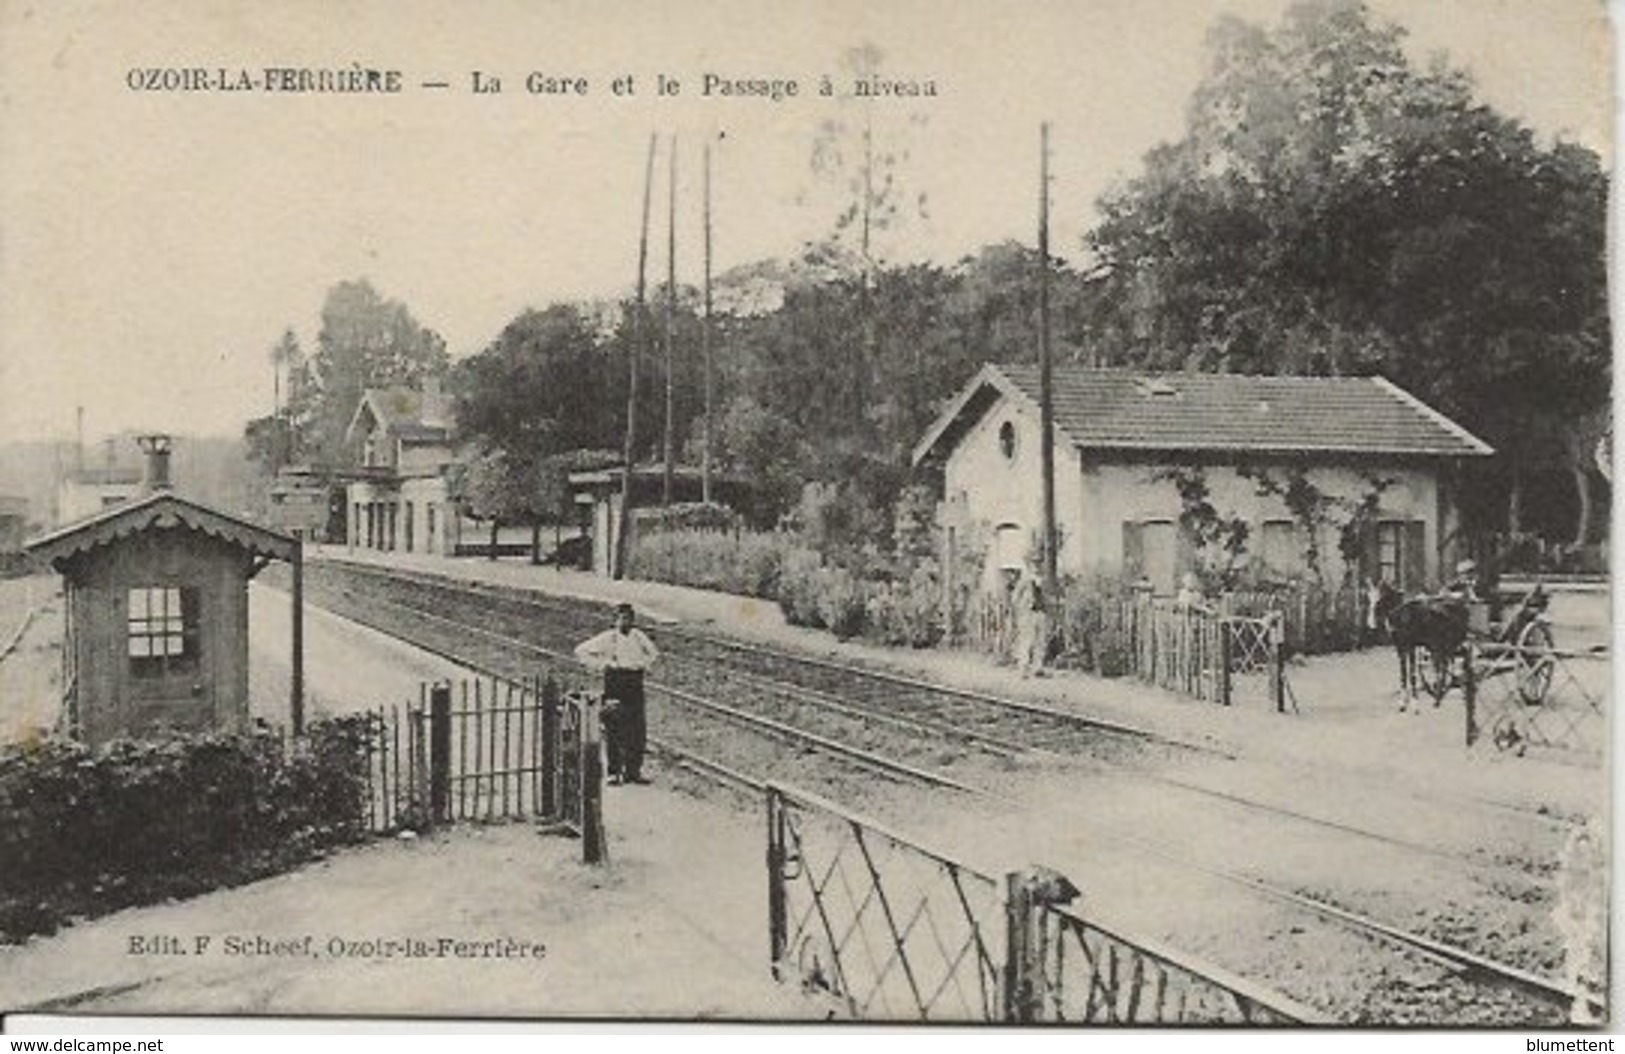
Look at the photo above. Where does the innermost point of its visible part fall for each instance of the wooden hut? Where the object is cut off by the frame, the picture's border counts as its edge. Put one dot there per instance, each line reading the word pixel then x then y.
pixel 157 613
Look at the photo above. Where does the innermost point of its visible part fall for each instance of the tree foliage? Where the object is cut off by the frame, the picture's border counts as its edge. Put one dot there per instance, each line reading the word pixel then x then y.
pixel 1334 209
pixel 365 341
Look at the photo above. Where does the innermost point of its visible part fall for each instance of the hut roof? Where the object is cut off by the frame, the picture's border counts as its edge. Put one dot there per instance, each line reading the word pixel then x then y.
pixel 162 509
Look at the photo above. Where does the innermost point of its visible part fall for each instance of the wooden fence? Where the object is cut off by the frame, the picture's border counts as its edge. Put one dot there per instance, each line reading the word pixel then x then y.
pixel 489 749
pixel 1204 652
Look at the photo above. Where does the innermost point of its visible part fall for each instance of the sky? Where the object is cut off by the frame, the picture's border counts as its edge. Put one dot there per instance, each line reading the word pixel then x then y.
pixel 155 244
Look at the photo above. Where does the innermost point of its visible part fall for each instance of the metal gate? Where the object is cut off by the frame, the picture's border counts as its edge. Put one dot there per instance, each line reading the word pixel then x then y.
pixel 881 927
pixel 888 930
pixel 488 749
pixel 1522 696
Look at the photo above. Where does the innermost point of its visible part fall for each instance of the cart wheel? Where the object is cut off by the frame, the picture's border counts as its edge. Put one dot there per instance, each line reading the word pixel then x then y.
pixel 1505 735
pixel 1435 672
pixel 1535 665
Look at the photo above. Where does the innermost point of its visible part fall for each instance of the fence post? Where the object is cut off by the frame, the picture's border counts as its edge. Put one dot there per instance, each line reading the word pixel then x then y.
pixel 594 847
pixel 440 753
pixel 1277 635
pixel 1224 661
pixel 550 748
pixel 1026 985
pixel 1469 691
pixel 417 757
pixel 777 916
pixel 1018 966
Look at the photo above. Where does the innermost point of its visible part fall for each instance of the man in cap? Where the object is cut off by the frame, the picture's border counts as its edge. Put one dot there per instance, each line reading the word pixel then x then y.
pixel 623 652
pixel 1466 584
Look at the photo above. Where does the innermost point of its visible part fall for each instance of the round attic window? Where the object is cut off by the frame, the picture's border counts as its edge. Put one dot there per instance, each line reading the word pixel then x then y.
pixel 1007 440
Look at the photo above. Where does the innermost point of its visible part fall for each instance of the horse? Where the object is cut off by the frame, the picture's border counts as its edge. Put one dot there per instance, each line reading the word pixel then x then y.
pixel 1435 623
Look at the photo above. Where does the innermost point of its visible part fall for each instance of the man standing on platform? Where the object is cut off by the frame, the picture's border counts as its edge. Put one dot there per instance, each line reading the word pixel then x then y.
pixel 623 653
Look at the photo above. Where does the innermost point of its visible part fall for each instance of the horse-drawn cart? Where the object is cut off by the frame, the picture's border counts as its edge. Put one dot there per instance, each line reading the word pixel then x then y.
pixel 1520 645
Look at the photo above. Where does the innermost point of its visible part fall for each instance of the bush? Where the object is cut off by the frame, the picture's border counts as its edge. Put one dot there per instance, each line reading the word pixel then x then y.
pixel 687 516
pixel 799 588
pixel 907 611
pixel 842 604
pixel 135 822
pixel 742 562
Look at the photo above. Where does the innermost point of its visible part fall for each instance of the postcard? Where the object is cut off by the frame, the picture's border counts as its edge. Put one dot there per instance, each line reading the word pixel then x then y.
pixel 1027 513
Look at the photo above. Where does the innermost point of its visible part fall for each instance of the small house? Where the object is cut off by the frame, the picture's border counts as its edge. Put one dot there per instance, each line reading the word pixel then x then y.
pixel 157 612
pixel 88 491
pixel 400 497
pixel 1277 478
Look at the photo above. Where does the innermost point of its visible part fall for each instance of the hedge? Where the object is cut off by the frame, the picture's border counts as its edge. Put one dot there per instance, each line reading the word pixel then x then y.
pixel 86 831
pixel 742 562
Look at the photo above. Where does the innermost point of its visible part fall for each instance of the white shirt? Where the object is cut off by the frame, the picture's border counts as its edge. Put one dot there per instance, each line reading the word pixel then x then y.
pixel 632 650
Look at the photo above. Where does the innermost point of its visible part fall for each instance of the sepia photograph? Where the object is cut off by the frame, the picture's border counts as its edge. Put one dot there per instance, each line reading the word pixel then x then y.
pixel 1037 513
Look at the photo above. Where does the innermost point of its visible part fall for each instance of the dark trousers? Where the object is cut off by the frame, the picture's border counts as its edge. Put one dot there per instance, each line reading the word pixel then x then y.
pixel 626 729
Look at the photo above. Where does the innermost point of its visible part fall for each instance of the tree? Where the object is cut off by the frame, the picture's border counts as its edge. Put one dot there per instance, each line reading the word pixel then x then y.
pixel 1333 209
pixel 365 341
pixel 865 167
pixel 504 490
pixel 532 429
pixel 277 439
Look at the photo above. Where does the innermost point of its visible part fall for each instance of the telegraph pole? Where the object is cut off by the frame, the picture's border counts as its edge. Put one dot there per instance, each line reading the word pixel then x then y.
pixel 1046 398
pixel 636 350
pixel 671 312
pixel 705 341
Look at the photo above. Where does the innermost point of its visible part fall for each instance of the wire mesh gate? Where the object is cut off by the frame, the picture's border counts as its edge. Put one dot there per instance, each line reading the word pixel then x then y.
pixel 1523 696
pixel 487 749
pixel 886 929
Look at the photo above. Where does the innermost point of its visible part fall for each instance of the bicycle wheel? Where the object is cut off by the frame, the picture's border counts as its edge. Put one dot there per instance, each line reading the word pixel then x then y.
pixel 1535 663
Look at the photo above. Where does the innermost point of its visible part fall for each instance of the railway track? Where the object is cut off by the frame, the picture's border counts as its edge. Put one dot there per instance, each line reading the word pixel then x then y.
pixel 1006 727
pixel 706 748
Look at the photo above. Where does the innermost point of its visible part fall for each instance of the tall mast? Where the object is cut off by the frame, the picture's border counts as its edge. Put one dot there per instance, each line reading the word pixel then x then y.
pixel 671 319
pixel 705 341
pixel 1046 404
pixel 633 353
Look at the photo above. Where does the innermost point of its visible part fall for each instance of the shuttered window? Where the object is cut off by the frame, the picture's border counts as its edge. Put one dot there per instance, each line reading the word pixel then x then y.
pixel 1153 550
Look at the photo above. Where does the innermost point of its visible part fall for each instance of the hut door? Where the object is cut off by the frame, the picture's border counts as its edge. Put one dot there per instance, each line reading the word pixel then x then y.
pixel 168 682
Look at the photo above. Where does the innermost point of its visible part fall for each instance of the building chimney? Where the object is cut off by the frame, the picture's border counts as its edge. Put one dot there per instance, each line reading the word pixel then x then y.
pixel 156 475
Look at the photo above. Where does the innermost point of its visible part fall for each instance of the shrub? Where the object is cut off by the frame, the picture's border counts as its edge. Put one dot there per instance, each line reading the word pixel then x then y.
pixel 907 610
pixel 86 831
pixel 841 602
pixel 799 588
pixel 687 516
pixel 742 562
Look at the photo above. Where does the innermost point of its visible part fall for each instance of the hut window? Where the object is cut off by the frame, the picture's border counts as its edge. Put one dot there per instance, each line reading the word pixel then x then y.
pixel 163 630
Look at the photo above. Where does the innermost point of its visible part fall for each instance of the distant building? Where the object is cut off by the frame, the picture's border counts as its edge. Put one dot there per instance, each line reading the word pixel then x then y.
pixel 1121 435
pixel 401 497
pixel 13 522
pixel 88 491
pixel 157 614
pixel 299 503
pixel 597 494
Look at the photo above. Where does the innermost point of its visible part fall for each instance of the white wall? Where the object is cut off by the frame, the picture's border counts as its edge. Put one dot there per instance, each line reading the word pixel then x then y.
pixel 1119 493
pixel 1000 490
pixel 1094 498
